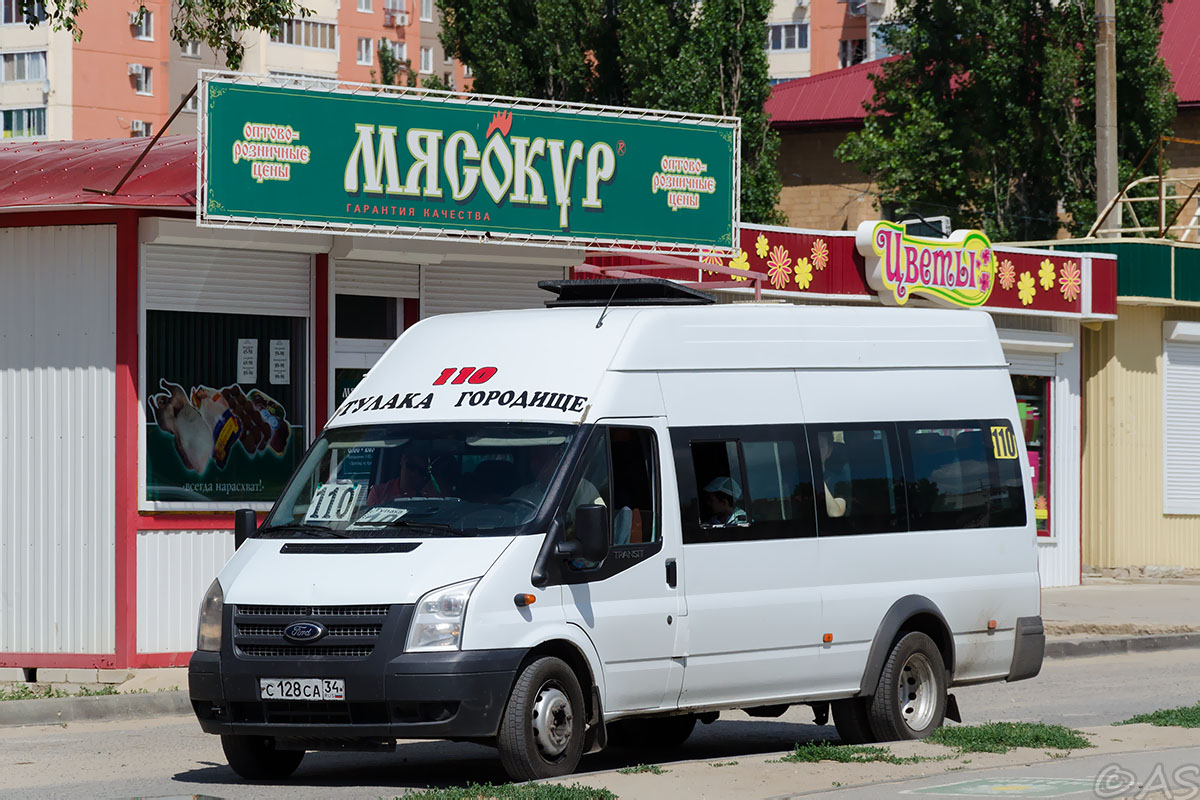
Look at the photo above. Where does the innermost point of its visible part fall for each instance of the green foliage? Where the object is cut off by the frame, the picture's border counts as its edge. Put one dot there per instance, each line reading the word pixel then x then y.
pixel 216 23
pixel 676 55
pixel 103 691
pixel 1184 717
pixel 25 691
pixel 642 769
pixel 990 117
pixel 1000 737
pixel 812 752
pixel 509 791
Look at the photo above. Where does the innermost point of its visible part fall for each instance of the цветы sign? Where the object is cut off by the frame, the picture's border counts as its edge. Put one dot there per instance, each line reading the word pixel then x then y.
pixel 959 271
pixel 439 165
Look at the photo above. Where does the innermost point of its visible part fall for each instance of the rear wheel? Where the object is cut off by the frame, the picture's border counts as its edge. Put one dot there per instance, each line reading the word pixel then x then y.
pixel 852 720
pixel 541 732
pixel 256 757
pixel 910 701
pixel 656 733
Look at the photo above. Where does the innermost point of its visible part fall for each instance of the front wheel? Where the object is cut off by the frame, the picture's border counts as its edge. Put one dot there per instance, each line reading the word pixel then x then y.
pixel 541 732
pixel 910 701
pixel 256 758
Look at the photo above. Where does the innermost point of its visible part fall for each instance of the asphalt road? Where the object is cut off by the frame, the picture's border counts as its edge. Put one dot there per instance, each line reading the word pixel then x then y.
pixel 171 757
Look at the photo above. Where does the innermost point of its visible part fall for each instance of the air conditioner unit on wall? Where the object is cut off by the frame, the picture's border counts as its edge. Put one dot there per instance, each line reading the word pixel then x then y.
pixel 133 17
pixel 136 69
pixel 801 3
pixel 856 8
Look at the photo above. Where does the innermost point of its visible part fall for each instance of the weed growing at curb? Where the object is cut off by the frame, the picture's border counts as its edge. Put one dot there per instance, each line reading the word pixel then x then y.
pixel 103 691
pixel 1000 737
pixel 812 752
pixel 723 763
pixel 23 691
pixel 640 769
pixel 1183 717
pixel 509 791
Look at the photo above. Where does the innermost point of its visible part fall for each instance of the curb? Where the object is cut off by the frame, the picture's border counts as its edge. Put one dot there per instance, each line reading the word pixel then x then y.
pixel 1100 646
pixel 56 711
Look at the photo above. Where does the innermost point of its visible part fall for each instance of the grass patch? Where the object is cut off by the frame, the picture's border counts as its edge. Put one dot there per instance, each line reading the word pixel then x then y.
pixel 509 791
pixel 642 769
pixel 812 752
pixel 103 691
pixel 722 763
pixel 1000 737
pixel 23 691
pixel 1184 717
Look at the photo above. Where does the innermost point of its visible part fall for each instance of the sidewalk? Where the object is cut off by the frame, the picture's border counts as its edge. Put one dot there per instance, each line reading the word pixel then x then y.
pixel 1095 619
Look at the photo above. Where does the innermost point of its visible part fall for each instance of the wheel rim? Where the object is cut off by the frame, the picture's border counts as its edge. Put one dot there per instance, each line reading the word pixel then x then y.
pixel 553 721
pixel 917 692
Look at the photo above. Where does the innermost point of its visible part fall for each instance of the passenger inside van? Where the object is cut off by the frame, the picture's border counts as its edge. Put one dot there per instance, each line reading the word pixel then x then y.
pixel 836 471
pixel 403 472
pixel 723 496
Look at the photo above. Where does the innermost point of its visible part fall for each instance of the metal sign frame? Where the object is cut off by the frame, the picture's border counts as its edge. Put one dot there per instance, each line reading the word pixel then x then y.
pixel 336 86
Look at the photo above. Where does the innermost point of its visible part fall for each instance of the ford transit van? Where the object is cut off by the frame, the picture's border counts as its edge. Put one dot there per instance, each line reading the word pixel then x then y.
pixel 598 523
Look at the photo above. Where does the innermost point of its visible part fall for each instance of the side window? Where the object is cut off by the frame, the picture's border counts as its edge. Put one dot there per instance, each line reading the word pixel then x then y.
pixel 963 474
pixel 620 471
pixel 858 479
pixel 591 486
pixel 743 484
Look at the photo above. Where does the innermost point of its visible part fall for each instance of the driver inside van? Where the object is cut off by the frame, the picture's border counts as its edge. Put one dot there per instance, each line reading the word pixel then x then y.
pixel 837 474
pixel 722 496
pixel 410 477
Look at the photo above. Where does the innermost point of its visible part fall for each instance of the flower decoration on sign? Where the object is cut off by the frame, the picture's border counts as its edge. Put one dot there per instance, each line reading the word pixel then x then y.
pixel 985 282
pixel 1026 289
pixel 777 267
pixel 741 262
pixel 1069 281
pixel 1047 274
pixel 1008 274
pixel 709 257
pixel 804 273
pixel 985 257
pixel 760 246
pixel 820 254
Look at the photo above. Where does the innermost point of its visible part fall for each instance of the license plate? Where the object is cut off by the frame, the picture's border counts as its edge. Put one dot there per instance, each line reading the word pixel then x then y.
pixel 302 689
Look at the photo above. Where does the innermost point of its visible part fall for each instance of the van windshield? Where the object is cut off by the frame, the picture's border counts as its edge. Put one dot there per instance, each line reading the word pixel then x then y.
pixel 426 479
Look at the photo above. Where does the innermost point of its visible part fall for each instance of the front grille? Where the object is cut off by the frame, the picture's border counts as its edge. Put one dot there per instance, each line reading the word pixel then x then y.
pixel 283 712
pixel 353 631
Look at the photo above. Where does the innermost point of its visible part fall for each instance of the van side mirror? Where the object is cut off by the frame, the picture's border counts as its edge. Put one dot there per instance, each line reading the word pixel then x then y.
pixel 591 534
pixel 245 525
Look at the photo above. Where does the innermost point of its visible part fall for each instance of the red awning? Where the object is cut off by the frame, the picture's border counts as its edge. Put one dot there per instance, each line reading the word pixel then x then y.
pixel 36 174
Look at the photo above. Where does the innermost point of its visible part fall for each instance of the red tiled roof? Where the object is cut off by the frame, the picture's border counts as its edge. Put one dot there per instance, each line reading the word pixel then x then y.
pixel 55 173
pixel 1180 48
pixel 830 98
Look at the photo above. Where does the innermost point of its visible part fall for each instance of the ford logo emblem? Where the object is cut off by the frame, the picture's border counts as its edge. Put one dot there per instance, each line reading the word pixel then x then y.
pixel 303 632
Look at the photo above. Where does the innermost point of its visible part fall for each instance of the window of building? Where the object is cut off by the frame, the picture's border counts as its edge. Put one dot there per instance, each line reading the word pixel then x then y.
pixel 857 478
pixel 142 24
pixel 23 67
pixel 1033 406
pixel 1181 417
pixel 448 79
pixel 427 10
pixel 364 6
pixel 362 317
pixel 191 49
pixel 193 103
pixel 852 51
pixel 365 56
pixel 11 12
pixel 139 128
pixel 962 475
pixel 467 71
pixel 426 59
pixel 399 49
pixel 24 123
pixel 307 33
pixel 143 78
pixel 790 36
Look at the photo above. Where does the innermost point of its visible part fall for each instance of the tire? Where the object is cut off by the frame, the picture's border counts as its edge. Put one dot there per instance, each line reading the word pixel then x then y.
pixel 910 700
pixel 657 733
pixel 255 757
pixel 852 721
pixel 546 689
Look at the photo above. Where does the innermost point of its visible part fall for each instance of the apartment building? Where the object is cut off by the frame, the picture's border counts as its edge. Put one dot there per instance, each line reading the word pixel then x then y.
pixel 126 76
pixel 808 37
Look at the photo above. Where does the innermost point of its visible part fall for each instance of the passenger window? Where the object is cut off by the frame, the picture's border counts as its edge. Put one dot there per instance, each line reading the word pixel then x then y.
pixel 772 477
pixel 962 475
pixel 857 478
pixel 719 484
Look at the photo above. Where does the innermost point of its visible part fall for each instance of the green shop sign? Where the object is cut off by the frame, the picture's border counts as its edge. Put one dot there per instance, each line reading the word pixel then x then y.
pixel 369 160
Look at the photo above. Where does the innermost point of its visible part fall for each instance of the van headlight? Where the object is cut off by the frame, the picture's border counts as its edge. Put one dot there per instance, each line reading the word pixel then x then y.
pixel 212 608
pixel 438 620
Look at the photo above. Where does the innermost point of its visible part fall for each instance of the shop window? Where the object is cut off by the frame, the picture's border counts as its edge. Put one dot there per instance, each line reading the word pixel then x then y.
pixel 361 317
pixel 225 406
pixel 857 478
pixel 1033 406
pixel 1181 418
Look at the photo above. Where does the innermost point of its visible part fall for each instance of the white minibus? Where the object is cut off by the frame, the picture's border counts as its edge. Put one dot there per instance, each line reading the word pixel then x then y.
pixel 599 523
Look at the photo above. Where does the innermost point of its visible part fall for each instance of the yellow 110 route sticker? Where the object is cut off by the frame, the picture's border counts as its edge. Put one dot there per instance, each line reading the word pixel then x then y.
pixel 1004 443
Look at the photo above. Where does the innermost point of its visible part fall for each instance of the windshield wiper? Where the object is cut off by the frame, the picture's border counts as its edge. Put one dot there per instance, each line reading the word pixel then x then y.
pixel 315 531
pixel 431 526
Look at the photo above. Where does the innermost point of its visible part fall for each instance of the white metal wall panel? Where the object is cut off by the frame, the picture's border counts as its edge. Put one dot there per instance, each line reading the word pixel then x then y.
pixel 450 288
pixel 1019 363
pixel 174 568
pixel 183 278
pixel 57 429
pixel 377 279
pixel 1181 428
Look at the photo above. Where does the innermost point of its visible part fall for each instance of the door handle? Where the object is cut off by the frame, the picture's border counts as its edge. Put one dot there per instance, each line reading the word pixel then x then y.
pixel 672 573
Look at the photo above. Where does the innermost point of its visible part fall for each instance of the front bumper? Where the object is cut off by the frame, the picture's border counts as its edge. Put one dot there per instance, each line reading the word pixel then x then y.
pixel 414 696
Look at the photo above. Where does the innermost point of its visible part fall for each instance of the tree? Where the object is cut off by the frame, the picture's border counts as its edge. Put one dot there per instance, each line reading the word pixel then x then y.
pixel 989 115
pixel 675 55
pixel 216 23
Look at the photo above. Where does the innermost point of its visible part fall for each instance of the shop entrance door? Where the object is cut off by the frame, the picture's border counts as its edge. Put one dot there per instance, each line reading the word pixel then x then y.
pixel 1033 406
